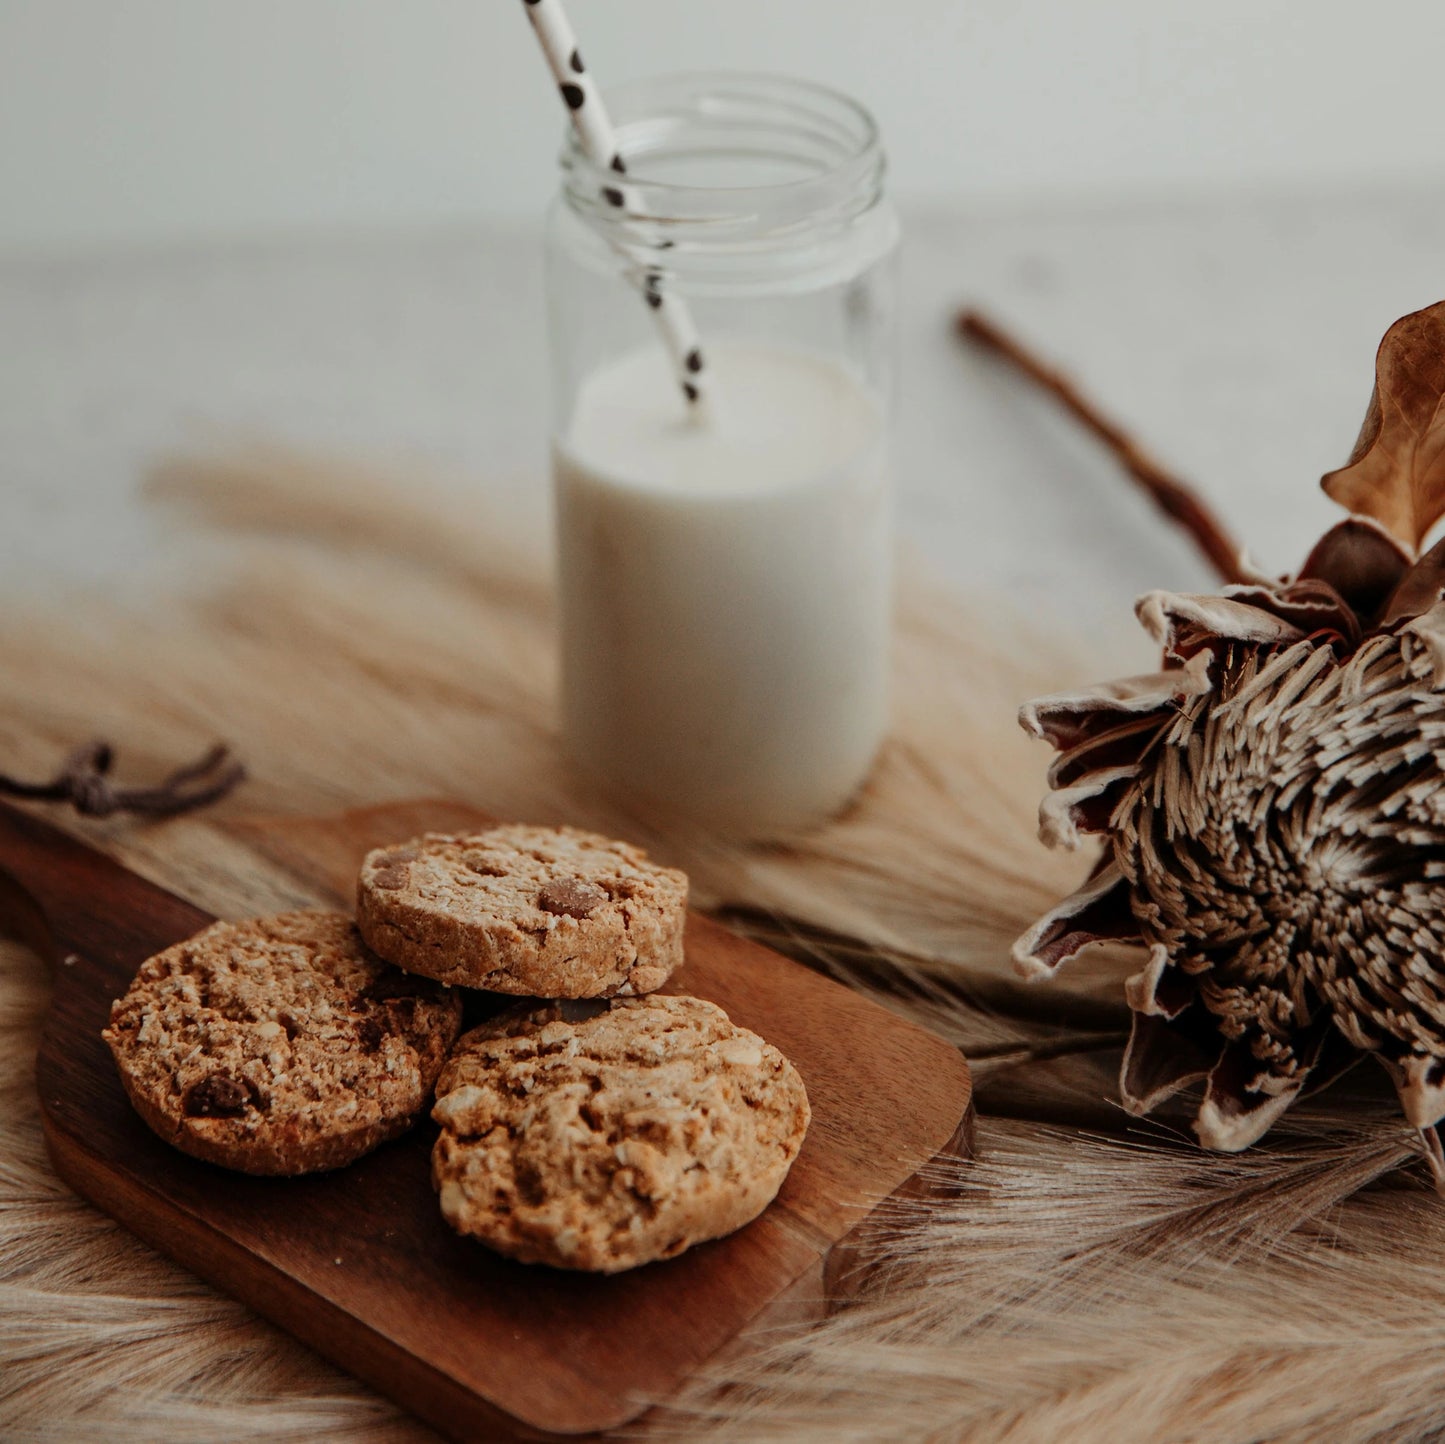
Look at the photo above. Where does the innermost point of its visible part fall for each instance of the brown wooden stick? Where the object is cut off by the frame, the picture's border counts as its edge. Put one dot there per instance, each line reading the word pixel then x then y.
pixel 83 782
pixel 1178 501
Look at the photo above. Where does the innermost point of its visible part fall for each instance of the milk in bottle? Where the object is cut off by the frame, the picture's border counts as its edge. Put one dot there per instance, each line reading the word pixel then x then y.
pixel 725 584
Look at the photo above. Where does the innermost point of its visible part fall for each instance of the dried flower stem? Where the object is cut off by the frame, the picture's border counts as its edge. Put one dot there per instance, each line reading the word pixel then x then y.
pixel 1178 501
pixel 83 783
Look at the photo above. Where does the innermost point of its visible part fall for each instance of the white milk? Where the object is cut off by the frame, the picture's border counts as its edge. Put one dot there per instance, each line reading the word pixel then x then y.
pixel 726 586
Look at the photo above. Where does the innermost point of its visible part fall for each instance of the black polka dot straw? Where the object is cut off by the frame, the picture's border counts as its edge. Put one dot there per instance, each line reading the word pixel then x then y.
pixel 599 144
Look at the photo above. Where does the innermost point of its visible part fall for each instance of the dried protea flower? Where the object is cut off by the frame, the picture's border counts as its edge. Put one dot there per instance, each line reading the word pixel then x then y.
pixel 1273 802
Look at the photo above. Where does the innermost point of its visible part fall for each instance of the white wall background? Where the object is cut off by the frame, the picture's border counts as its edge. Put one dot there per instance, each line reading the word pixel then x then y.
pixel 137 120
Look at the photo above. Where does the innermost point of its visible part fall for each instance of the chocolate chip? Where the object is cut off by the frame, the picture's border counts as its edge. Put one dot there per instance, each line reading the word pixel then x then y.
pixel 613 196
pixel 579 1010
pixel 574 95
pixel 401 1014
pixel 576 62
pixel 392 879
pixel 694 360
pixel 369 1034
pixel 570 897
pixel 218 1095
pixel 398 856
pixel 393 984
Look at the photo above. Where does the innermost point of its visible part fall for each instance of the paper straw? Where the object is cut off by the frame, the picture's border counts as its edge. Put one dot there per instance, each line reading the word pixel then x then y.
pixel 599 144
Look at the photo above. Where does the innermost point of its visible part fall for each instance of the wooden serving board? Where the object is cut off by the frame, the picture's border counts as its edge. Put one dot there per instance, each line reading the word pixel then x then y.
pixel 359 1263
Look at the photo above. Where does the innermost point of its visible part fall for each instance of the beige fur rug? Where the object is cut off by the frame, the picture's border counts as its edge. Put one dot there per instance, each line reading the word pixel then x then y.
pixel 1090 1277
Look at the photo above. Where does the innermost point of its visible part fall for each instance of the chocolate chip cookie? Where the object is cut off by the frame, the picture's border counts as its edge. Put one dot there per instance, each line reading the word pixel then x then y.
pixel 605 1135
pixel 280 1045
pixel 542 911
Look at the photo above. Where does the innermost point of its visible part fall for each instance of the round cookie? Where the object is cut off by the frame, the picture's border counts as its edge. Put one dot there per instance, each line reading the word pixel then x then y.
pixel 548 912
pixel 279 1045
pixel 639 1129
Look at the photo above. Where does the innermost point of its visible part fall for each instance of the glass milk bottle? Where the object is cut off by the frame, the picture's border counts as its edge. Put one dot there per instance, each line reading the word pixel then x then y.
pixel 725 577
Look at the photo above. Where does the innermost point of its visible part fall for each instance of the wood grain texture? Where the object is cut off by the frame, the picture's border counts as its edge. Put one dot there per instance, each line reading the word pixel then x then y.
pixel 359 1263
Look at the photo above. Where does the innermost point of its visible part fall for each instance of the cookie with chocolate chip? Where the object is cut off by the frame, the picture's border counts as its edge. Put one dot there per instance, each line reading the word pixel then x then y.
pixel 604 1135
pixel 549 912
pixel 280 1045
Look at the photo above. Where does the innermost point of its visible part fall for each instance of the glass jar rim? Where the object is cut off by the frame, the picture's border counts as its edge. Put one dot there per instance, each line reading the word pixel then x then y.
pixel 827 141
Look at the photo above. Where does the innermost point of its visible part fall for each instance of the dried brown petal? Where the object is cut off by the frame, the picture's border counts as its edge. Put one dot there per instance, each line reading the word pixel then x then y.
pixel 1086 807
pixel 1067 719
pixel 1159 990
pixel 1241 1101
pixel 1186 625
pixel 1097 913
pixel 1310 605
pixel 1419 588
pixel 1116 747
pixel 1159 1061
pixel 1396 473
pixel 1361 561
pixel 1421 1084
